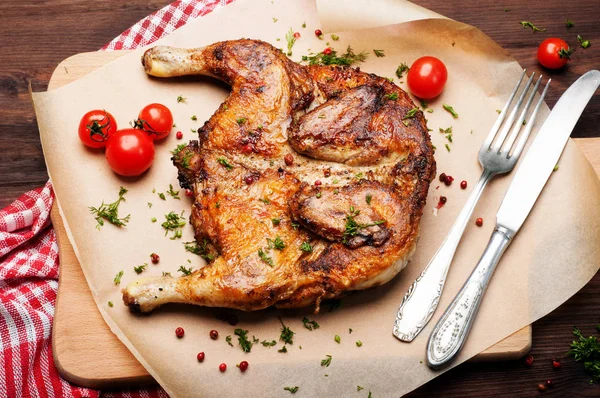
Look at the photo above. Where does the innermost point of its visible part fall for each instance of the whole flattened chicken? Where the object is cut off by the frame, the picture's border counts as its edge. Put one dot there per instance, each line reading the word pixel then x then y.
pixel 309 181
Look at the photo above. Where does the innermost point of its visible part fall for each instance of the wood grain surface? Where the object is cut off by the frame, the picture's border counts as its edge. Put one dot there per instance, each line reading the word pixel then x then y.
pixel 77 355
pixel 37 35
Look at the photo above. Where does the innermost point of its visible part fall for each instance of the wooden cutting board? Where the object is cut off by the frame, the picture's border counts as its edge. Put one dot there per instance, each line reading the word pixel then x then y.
pixel 87 353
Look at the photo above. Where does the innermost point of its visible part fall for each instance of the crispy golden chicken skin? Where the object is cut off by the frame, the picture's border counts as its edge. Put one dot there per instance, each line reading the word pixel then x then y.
pixel 308 181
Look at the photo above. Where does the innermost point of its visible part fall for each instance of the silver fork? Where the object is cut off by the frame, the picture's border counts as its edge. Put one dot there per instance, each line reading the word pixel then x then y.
pixel 421 299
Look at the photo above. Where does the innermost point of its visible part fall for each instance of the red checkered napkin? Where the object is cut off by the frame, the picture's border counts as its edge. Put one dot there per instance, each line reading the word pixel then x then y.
pixel 29 257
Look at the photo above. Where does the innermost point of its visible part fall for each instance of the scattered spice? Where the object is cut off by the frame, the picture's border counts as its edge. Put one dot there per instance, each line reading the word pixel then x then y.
pixel 243 366
pixel 213 334
pixel 403 67
pixel 179 332
pixel 479 223
pixel 441 202
pixel 292 390
pixel 443 177
pixel 330 56
pixel 223 367
pixel 200 357
pixel 319 33
pixel 448 180
pixel 541 387
pixel 463 184
pixel 555 363
pixel 179 135
pixel 327 361
pixel 110 212
pixel 288 159
pixel 117 279
pixel 140 268
pixel 379 53
pixel 549 383
pixel 318 183
pixel 527 24
pixel 188 192
pixel 451 110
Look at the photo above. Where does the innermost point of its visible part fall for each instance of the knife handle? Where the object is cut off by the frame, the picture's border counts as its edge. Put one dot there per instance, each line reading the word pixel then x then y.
pixel 452 329
pixel 421 300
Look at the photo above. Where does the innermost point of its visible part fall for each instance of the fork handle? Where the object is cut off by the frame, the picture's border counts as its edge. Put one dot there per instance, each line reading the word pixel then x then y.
pixel 421 299
pixel 451 331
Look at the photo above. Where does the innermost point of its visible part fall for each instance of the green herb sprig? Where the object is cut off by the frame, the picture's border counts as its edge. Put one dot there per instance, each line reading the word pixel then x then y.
pixel 110 212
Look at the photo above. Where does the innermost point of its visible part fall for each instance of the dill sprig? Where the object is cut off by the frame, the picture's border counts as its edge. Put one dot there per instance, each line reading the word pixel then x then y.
pixel 291 40
pixel 310 325
pixel 403 67
pixel 174 222
pixel 110 212
pixel 243 339
pixel 200 250
pixel 347 59
pixel 184 270
pixel 587 350
pixel 174 194
pixel 353 227
pixel 287 334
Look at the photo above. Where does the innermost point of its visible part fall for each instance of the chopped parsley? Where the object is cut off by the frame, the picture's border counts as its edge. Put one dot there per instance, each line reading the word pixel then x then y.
pixel 185 160
pixel 403 67
pixel 110 212
pixel 555 167
pixel 447 147
pixel 584 44
pixel 200 250
pixel 411 113
pixel 289 37
pixel 353 227
pixel 282 349
pixel 277 243
pixel 266 343
pixel 265 257
pixel 225 163
pixel 379 53
pixel 162 196
pixel 527 24
pixel 287 334
pixel 181 99
pixel 337 338
pixel 153 219
pixel 166 273
pixel 451 110
pixel 118 277
pixel 243 339
pixel 274 19
pixel 358 388
pixel 293 390
pixel 265 200
pixel 359 176
pixel 307 248
pixel 110 304
pixel 276 221
pixel 194 118
pixel 184 270
pixel 347 59
pixel 178 149
pixel 368 198
pixel 587 350
pixel 174 222
pixel 228 340
pixel 569 24
pixel 358 343
pixel 335 37
pixel 318 195
pixel 349 330
pixel 149 205
pixel 140 268
pixel 174 194
pixel 391 96
pixel 310 325
pixel 241 120
pixel 327 361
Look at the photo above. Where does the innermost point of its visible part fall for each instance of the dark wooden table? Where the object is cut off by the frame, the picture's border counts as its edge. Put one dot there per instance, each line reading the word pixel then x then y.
pixel 37 35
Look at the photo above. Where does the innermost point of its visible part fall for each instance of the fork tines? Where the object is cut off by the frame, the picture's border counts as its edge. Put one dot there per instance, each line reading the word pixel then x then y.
pixel 510 126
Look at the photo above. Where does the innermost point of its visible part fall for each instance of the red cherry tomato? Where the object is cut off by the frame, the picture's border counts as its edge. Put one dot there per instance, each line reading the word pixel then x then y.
pixel 95 127
pixel 156 120
pixel 427 77
pixel 130 152
pixel 554 53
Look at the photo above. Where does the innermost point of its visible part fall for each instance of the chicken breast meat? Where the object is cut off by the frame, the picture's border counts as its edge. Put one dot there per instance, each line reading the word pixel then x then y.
pixel 308 181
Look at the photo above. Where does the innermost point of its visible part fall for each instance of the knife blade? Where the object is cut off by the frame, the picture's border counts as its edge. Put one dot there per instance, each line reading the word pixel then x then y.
pixel 543 155
pixel 451 331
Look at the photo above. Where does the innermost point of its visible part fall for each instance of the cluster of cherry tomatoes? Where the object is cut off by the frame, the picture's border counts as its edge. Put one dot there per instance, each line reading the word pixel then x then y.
pixel 130 151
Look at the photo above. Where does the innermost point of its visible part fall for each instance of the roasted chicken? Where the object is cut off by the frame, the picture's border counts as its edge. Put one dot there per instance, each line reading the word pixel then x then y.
pixel 308 181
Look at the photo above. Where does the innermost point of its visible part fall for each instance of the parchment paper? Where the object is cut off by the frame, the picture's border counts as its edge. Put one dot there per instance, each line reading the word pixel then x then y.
pixel 553 256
